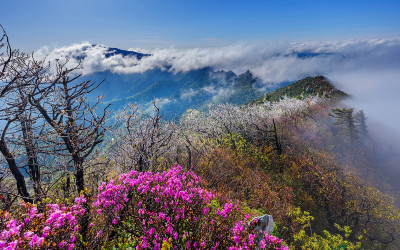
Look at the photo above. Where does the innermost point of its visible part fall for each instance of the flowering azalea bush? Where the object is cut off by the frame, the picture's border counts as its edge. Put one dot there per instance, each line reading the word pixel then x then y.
pixel 141 210
pixel 171 209
pixel 55 226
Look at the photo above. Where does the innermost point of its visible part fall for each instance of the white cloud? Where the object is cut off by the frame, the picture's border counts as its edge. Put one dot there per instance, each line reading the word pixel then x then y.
pixel 272 62
pixel 222 94
pixel 188 94
pixel 368 69
pixel 211 89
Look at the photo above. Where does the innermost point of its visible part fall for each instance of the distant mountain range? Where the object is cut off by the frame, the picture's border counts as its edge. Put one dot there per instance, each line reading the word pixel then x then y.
pixel 195 89
pixel 177 92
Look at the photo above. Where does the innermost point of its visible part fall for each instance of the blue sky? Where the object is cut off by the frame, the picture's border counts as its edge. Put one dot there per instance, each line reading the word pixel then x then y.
pixel 193 23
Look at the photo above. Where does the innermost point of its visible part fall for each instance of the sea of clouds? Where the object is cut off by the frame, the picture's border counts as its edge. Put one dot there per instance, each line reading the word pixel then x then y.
pixel 369 70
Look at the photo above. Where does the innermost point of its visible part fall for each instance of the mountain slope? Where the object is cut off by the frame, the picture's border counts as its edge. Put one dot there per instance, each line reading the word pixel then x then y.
pixel 176 92
pixel 316 85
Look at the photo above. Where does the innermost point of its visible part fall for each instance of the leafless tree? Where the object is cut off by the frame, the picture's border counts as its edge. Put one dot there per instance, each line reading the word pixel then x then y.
pixel 10 59
pixel 46 112
pixel 64 106
pixel 143 138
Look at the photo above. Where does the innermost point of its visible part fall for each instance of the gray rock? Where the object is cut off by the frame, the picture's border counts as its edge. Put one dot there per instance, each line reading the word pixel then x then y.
pixel 264 224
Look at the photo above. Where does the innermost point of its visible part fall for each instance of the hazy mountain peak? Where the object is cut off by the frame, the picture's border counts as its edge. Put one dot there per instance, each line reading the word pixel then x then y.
pixel 81 54
pixel 309 86
pixel 116 51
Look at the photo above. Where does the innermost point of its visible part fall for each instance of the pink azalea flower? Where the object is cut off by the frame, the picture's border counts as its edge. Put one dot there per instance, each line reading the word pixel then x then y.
pixel 262 244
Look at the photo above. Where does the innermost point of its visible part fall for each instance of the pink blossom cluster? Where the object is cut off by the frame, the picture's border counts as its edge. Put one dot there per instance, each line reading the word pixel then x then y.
pixel 147 210
pixel 173 207
pixel 175 184
pixel 58 223
pixel 161 203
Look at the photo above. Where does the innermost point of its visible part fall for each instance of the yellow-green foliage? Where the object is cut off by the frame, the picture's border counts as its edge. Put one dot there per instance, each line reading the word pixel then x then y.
pixel 328 241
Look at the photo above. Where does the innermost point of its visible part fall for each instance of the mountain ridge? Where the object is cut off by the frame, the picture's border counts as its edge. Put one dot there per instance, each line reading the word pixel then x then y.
pixel 308 86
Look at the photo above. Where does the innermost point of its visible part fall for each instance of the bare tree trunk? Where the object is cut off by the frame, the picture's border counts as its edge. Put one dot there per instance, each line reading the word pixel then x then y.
pixel 21 186
pixel 33 163
pixel 79 174
pixel 189 156
pixel 66 187
pixel 276 139
pixel 141 164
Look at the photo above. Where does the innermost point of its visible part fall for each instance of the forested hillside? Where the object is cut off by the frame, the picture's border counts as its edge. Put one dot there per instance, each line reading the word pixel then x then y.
pixel 74 175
